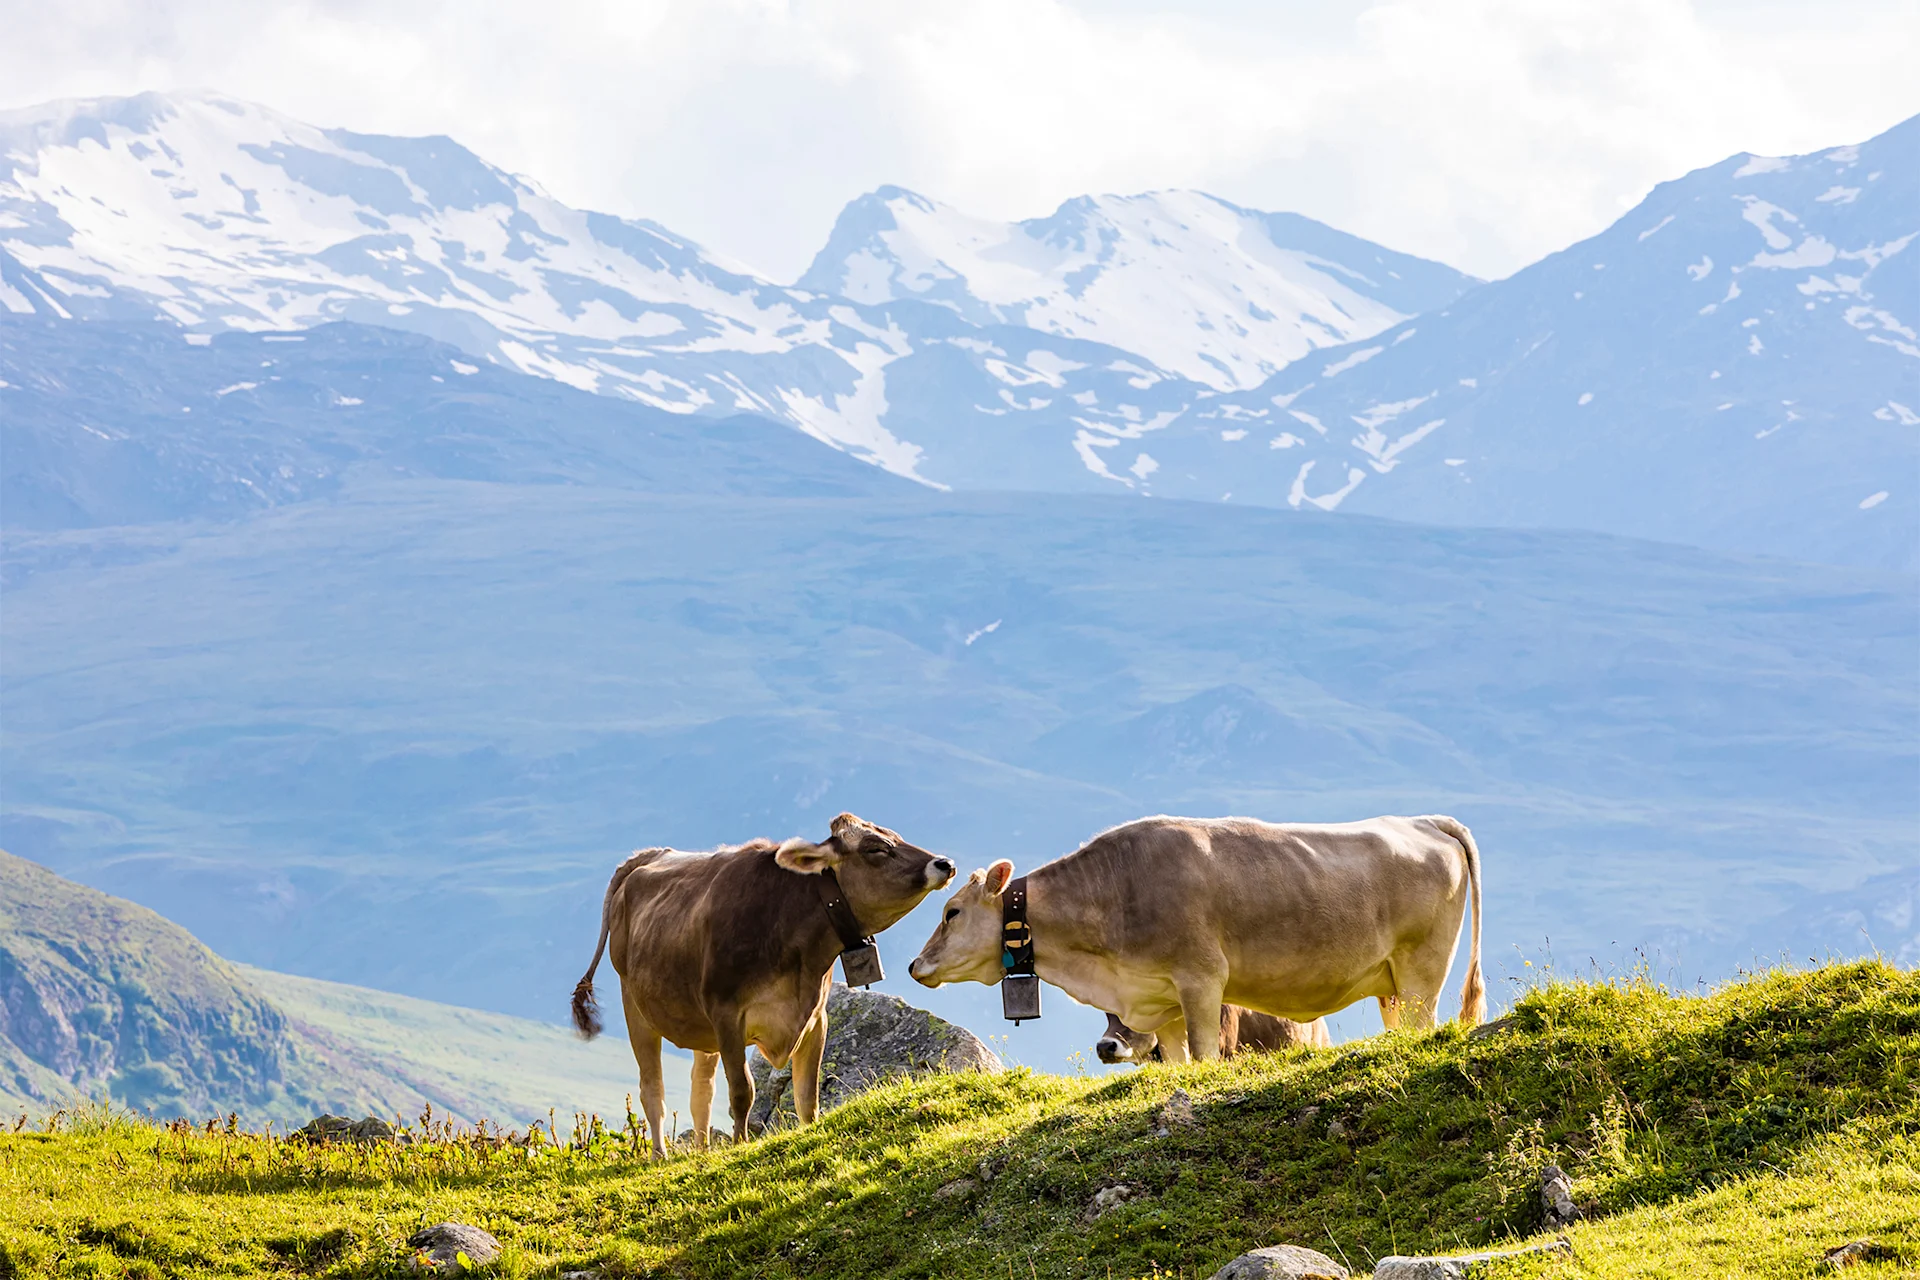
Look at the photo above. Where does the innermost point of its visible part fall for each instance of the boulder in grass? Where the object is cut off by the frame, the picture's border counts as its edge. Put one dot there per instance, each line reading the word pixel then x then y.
pixel 871 1038
pixel 1457 1266
pixel 326 1128
pixel 451 1248
pixel 1282 1262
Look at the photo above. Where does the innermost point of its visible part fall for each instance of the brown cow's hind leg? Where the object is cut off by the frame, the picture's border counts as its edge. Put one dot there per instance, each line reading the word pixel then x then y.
pixel 653 1084
pixel 806 1067
pixel 701 1102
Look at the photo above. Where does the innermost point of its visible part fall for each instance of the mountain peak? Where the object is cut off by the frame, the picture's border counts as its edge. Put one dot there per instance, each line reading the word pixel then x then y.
pixel 1222 295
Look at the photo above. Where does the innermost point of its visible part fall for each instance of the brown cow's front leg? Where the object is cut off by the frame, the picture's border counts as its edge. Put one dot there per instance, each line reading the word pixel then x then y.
pixel 1200 1001
pixel 807 1056
pixel 733 1056
pixel 700 1101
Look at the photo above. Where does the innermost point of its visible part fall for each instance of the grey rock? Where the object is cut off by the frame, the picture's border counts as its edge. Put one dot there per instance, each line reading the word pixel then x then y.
pixel 1497 1027
pixel 1282 1262
pixel 325 1128
pixel 1854 1252
pixel 437 1249
pixel 1107 1199
pixel 1456 1266
pixel 871 1038
pixel 958 1189
pixel 579 1275
pixel 1556 1198
pixel 1336 1128
pixel 1178 1110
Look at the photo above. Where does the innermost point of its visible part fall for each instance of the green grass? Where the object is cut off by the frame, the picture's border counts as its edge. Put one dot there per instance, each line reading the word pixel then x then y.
pixel 1741 1133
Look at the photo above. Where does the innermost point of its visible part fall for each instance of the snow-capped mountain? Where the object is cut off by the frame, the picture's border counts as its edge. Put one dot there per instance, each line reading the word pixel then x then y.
pixel 1732 364
pixel 218 214
pixel 1222 295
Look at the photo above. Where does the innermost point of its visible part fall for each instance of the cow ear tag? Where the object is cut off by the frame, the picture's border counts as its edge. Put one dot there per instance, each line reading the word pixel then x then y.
pixel 1020 997
pixel 860 965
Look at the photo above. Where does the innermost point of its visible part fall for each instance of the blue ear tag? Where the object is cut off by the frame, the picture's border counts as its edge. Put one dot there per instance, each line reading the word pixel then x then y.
pixel 1006 959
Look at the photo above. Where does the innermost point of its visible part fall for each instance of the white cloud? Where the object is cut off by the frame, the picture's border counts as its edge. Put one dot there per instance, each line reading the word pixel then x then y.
pixel 1482 132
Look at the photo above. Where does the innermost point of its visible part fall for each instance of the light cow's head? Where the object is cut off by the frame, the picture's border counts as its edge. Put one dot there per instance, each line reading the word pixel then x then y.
pixel 1122 1043
pixel 968 944
pixel 884 877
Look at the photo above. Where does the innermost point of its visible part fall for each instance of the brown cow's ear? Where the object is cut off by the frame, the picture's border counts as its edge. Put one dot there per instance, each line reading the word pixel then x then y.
pixel 805 857
pixel 997 876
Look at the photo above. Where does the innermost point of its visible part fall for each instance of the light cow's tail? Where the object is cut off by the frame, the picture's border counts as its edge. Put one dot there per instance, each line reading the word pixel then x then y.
pixel 1473 995
pixel 586 1009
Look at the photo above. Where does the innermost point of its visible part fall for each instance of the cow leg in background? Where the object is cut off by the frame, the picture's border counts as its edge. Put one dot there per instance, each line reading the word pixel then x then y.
pixel 1173 1042
pixel 1390 1012
pixel 732 1032
pixel 1200 1000
pixel 807 1056
pixel 653 1083
pixel 700 1104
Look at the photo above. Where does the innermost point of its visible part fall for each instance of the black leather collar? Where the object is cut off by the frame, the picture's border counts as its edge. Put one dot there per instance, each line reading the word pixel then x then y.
pixel 839 913
pixel 1016 934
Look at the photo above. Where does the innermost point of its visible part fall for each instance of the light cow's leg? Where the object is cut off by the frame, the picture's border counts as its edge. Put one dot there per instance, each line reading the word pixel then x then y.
pixel 1420 977
pixel 653 1084
pixel 733 1056
pixel 700 1104
pixel 807 1056
pixel 1200 1001
pixel 1390 1011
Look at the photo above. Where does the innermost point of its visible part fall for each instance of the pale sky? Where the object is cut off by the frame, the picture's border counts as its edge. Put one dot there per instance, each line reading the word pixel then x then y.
pixel 1484 133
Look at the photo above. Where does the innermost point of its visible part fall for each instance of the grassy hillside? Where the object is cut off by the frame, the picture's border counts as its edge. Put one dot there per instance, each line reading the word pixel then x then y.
pixel 509 1070
pixel 100 998
pixel 1741 1133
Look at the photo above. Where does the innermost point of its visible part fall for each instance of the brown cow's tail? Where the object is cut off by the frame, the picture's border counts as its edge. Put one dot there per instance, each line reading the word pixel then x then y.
pixel 1473 995
pixel 586 1009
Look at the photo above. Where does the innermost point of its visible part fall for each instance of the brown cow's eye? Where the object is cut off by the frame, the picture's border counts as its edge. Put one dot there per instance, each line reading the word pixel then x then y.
pixel 952 912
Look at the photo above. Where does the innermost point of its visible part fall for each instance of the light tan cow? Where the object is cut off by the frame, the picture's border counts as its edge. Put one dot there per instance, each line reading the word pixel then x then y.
pixel 717 951
pixel 1163 920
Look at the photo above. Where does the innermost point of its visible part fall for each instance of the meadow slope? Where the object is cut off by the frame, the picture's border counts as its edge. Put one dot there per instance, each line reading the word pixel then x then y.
pixel 1738 1133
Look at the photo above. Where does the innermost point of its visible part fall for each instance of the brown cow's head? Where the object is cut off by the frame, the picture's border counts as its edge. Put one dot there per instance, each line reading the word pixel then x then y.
pixel 967 945
pixel 884 877
pixel 1122 1043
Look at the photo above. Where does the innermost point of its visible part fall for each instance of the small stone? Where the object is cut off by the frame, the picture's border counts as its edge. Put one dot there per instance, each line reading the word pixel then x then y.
pixel 1455 1267
pixel 1556 1198
pixel 437 1249
pixel 1854 1252
pixel 1305 1118
pixel 1336 1128
pixel 1178 1110
pixel 958 1189
pixel 1282 1262
pixel 1494 1028
pixel 371 1129
pixel 1107 1199
pixel 579 1275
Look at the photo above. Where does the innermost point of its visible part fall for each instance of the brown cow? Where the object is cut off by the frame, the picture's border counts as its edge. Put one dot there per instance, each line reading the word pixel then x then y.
pixel 1163 920
pixel 1239 1029
pixel 716 951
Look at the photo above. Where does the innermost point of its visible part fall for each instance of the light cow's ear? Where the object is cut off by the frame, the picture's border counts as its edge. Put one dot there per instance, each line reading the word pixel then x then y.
pixel 997 876
pixel 805 857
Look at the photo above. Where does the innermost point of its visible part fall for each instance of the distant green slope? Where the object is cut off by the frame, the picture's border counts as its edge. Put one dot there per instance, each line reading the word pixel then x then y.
pixel 510 1070
pixel 100 997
